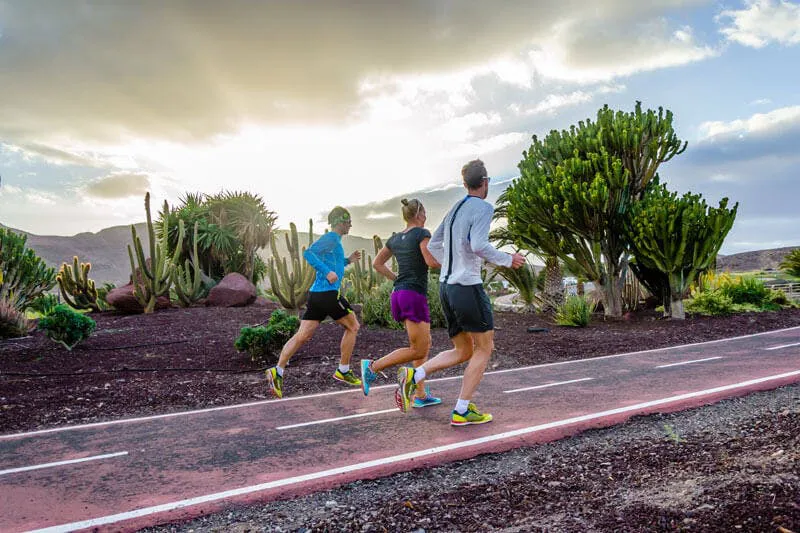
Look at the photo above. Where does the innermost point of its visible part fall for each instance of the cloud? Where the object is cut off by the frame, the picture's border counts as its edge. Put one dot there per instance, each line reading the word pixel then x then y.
pixel 772 134
pixel 381 216
pixel 596 51
pixel 118 185
pixel 58 156
pixel 188 70
pixel 762 22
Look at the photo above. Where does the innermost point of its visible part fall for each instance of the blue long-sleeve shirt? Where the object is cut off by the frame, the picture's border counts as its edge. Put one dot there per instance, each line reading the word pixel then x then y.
pixel 326 255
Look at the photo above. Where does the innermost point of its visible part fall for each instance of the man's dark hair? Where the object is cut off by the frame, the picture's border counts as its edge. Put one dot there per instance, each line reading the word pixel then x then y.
pixel 473 172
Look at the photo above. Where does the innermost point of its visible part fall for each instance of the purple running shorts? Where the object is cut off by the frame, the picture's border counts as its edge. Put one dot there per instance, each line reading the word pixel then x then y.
pixel 410 305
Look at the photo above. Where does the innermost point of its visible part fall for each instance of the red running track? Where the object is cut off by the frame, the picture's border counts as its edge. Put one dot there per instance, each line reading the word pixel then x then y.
pixel 138 472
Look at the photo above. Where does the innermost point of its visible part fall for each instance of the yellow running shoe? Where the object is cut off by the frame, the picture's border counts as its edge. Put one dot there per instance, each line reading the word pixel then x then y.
pixel 274 382
pixel 472 416
pixel 405 388
pixel 348 377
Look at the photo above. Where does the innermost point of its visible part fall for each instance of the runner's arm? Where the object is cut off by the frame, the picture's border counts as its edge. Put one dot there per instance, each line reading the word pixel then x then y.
pixel 479 238
pixel 380 263
pixel 436 244
pixel 320 247
pixel 429 259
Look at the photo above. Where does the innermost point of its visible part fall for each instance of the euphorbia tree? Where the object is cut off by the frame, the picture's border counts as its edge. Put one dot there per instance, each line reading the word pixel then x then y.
pixel 679 237
pixel 578 185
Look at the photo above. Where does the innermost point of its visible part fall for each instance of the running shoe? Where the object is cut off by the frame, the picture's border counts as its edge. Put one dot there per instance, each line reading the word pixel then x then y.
pixel 472 416
pixel 274 382
pixel 367 376
pixel 405 389
pixel 348 377
pixel 427 401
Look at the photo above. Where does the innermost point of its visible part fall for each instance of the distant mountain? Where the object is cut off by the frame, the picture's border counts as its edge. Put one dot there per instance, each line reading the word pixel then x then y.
pixel 755 260
pixel 107 250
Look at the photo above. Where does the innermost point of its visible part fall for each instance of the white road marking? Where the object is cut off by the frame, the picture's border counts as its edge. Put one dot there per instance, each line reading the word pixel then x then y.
pixel 61 463
pixel 352 391
pixel 546 385
pixel 690 362
pixel 783 346
pixel 326 420
pixel 146 511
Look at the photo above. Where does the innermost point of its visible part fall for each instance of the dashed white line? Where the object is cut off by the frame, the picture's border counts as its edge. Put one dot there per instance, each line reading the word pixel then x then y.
pixel 60 463
pixel 180 504
pixel 338 418
pixel 690 362
pixel 546 385
pixel 783 346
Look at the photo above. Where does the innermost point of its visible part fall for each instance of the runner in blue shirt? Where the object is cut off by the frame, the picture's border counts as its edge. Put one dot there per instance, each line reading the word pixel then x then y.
pixel 327 257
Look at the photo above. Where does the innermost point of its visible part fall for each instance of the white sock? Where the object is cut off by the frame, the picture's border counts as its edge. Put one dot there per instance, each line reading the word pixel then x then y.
pixel 462 406
pixel 419 374
pixel 280 370
pixel 344 369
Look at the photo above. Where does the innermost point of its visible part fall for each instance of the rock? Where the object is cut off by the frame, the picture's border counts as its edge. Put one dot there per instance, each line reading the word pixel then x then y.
pixel 263 302
pixel 234 290
pixel 124 301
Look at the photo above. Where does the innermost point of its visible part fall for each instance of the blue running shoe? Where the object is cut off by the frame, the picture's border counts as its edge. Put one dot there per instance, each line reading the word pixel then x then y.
pixel 367 376
pixel 426 401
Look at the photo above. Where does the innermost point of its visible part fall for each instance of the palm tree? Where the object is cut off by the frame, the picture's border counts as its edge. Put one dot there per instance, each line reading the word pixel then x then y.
pixel 248 218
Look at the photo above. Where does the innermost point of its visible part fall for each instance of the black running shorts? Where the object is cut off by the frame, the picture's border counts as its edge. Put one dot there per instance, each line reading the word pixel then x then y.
pixel 466 308
pixel 326 303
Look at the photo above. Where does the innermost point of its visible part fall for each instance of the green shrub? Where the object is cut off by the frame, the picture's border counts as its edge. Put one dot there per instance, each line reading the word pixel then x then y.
pixel 791 263
pixel 13 322
pixel 102 295
pixel 434 303
pixel 746 290
pixel 44 304
pixel 66 326
pixel 576 311
pixel 377 307
pixel 264 343
pixel 710 303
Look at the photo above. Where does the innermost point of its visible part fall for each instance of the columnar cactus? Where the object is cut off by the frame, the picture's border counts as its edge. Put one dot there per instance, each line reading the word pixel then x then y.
pixel 156 278
pixel 363 277
pixel 76 288
pixel 188 279
pixel 291 286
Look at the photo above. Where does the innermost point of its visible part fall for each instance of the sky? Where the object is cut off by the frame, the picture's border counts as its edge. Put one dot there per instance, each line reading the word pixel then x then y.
pixel 311 104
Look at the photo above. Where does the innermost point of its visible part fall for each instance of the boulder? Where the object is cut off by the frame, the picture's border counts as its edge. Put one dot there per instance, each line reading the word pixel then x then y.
pixel 234 290
pixel 123 300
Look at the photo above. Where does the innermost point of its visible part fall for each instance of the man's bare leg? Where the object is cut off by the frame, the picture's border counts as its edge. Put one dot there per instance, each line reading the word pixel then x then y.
pixel 302 336
pixel 351 326
pixel 484 346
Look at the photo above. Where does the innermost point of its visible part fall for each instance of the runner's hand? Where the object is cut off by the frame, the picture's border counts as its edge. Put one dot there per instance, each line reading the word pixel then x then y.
pixel 332 277
pixel 517 260
pixel 355 256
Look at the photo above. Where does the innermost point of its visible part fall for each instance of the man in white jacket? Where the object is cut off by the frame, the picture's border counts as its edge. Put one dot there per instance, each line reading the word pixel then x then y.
pixel 461 244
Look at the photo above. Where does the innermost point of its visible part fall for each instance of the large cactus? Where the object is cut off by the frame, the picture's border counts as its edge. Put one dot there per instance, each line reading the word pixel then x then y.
pixel 291 286
pixel 679 237
pixel 188 279
pixel 76 288
pixel 155 279
pixel 23 275
pixel 363 277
